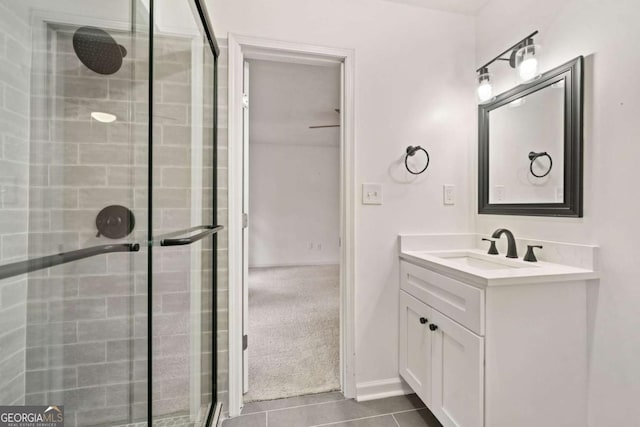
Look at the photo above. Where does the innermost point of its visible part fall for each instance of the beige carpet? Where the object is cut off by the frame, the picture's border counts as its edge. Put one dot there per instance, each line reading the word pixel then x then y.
pixel 294 331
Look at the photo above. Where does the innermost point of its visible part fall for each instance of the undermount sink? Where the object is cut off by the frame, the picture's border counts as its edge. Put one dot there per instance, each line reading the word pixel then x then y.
pixel 457 256
pixel 478 261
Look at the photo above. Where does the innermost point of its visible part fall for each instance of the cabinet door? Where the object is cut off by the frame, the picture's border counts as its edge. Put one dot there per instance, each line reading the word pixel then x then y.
pixel 415 345
pixel 457 394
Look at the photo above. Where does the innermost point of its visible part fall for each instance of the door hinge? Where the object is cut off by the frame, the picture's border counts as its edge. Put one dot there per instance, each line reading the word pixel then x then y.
pixel 245 100
pixel 245 220
pixel 245 342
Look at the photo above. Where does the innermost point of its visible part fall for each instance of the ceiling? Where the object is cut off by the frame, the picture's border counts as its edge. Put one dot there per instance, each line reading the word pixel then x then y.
pixel 467 7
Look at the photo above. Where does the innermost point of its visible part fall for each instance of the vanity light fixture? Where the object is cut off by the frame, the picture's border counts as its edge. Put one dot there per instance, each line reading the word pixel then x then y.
pixel 523 56
pixel 485 90
pixel 527 61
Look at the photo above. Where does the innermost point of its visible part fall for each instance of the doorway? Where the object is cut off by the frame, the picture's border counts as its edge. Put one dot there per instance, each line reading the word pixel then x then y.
pixel 242 52
pixel 292 250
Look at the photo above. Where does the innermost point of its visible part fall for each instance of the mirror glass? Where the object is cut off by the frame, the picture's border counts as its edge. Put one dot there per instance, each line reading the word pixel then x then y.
pixel 530 147
pixel 526 148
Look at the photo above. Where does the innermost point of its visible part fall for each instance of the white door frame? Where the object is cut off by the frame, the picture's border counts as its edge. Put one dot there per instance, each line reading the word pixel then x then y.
pixel 241 47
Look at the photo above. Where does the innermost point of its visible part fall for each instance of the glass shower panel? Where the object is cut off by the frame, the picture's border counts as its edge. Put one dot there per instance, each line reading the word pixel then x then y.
pixel 183 215
pixel 73 212
pixel 107 211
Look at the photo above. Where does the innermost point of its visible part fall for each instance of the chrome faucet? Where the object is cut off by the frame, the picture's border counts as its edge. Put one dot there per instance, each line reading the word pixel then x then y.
pixel 512 252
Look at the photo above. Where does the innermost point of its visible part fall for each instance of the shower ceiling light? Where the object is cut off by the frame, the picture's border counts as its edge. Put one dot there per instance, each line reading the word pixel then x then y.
pixel 103 117
pixel 523 56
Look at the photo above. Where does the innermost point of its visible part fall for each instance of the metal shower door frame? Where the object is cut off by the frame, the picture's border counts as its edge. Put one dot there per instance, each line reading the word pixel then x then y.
pixel 40 20
pixel 215 409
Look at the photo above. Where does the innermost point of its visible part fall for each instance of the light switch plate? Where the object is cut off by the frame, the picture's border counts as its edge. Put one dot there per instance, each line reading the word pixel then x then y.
pixel 449 194
pixel 371 194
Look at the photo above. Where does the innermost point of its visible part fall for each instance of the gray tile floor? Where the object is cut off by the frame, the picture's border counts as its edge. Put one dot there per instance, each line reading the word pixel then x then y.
pixel 165 421
pixel 332 409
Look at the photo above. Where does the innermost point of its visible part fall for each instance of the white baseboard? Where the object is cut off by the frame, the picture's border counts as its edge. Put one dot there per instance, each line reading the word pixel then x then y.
pixel 295 264
pixel 380 389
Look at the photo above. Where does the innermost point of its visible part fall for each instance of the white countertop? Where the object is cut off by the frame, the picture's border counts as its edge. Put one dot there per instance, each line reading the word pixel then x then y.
pixel 516 271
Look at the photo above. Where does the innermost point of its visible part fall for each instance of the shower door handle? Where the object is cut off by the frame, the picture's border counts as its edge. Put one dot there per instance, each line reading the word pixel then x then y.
pixel 168 240
pixel 22 267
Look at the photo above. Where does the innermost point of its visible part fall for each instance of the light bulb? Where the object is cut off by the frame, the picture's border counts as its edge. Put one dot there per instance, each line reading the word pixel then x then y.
pixel 103 117
pixel 527 61
pixel 485 91
pixel 528 69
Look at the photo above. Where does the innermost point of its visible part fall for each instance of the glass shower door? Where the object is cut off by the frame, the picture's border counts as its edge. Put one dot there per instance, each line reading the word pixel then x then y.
pixel 107 204
pixel 183 226
pixel 73 208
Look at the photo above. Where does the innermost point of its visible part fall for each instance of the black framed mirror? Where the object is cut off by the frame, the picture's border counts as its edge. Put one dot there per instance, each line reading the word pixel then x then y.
pixel 530 147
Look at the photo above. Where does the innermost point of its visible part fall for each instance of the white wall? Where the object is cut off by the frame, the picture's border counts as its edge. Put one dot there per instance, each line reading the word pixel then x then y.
pixel 414 85
pixel 604 32
pixel 294 171
pixel 295 205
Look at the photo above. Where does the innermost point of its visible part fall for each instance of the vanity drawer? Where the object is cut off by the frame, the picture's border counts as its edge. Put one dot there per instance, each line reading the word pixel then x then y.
pixel 461 302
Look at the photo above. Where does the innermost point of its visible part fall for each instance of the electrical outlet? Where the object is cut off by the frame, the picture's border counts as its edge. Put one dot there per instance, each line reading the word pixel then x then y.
pixel 371 194
pixel 498 192
pixel 559 194
pixel 449 194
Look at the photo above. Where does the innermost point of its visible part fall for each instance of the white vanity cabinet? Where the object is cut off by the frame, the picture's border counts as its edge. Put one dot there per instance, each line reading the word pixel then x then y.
pixel 494 352
pixel 416 346
pixel 441 360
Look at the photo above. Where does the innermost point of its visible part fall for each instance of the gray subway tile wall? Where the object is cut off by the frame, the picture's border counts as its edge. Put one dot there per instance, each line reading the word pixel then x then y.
pixel 77 333
pixel 87 320
pixel 15 52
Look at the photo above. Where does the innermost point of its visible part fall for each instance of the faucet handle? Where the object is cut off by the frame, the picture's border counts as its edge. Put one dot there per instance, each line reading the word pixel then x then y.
pixel 492 249
pixel 530 256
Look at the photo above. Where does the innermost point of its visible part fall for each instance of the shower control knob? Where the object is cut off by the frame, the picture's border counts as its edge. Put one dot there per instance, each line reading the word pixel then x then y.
pixel 115 222
pixel 433 327
pixel 424 320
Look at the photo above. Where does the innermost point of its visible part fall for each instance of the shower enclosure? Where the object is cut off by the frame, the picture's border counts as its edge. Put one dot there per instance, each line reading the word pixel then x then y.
pixel 108 210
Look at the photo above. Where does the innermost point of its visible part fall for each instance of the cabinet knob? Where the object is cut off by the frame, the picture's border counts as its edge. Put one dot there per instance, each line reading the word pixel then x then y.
pixel 424 320
pixel 433 327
